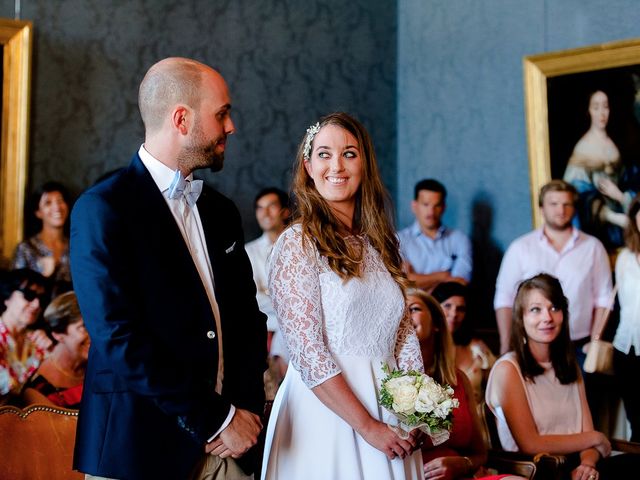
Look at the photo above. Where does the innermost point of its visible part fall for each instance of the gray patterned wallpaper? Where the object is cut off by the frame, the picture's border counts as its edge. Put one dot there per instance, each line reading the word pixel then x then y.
pixel 286 62
pixel 438 83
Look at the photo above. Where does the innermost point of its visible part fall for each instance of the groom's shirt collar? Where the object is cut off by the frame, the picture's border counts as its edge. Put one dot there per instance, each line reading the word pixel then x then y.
pixel 161 174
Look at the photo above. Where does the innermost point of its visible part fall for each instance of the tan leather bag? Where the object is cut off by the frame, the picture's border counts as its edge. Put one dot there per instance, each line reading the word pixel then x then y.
pixel 599 352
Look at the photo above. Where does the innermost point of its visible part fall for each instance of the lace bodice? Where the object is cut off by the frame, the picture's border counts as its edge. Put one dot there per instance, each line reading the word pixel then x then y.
pixel 321 316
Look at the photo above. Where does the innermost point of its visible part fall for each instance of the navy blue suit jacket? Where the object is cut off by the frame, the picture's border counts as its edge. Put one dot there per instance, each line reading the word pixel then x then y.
pixel 149 403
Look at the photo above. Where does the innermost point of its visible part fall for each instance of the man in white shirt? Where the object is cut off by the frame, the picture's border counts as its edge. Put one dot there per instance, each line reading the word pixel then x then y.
pixel 578 260
pixel 272 213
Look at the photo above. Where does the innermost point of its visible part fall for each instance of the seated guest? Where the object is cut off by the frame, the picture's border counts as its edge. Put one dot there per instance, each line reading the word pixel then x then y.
pixel 46 251
pixel 22 296
pixel 464 454
pixel 536 390
pixel 431 252
pixel 59 379
pixel 272 213
pixel 473 356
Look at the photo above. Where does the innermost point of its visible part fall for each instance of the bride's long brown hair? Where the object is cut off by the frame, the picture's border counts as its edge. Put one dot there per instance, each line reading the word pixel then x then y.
pixel 372 216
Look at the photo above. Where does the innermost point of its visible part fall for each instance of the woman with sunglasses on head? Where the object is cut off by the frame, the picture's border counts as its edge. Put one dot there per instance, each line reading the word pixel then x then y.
pixel 22 295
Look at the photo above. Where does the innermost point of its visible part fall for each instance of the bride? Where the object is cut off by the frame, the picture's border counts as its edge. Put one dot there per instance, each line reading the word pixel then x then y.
pixel 337 288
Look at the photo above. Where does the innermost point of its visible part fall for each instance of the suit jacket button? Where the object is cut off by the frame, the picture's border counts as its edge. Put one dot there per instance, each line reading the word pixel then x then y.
pixel 211 334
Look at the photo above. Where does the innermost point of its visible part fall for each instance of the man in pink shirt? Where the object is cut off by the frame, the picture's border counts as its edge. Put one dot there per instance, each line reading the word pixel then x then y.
pixel 578 260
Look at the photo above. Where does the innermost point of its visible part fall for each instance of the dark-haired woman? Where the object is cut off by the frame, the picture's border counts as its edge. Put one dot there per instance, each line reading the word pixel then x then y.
pixel 46 250
pixel 59 379
pixel 536 391
pixel 472 355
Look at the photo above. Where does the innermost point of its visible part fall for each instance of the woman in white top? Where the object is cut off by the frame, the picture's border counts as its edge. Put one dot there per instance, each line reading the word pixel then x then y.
pixel 336 283
pixel 626 358
pixel 536 391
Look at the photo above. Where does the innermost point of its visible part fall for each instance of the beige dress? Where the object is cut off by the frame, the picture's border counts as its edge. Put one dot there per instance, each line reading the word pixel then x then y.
pixel 555 408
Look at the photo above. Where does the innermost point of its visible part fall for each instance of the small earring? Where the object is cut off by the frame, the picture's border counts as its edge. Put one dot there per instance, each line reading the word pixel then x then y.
pixel 524 340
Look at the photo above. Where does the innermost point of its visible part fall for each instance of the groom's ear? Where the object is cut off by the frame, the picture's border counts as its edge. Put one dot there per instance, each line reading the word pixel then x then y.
pixel 181 119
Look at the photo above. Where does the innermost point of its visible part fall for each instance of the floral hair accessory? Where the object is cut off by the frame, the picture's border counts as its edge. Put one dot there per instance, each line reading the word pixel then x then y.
pixel 311 132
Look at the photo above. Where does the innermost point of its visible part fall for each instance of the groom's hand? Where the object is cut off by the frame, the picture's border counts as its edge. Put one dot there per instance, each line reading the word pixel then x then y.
pixel 239 436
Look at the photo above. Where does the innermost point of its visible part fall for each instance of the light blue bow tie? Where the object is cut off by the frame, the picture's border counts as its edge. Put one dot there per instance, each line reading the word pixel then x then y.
pixel 181 186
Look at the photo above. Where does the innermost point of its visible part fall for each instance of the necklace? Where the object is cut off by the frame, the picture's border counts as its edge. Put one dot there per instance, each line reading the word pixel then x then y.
pixel 64 372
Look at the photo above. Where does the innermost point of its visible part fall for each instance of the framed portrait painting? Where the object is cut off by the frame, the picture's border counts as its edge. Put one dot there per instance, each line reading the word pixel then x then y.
pixel 583 126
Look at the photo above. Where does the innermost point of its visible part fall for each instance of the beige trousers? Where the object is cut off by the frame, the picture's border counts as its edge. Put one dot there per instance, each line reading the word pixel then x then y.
pixel 211 467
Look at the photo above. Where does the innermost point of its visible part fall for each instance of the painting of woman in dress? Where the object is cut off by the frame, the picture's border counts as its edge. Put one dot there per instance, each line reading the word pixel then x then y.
pixel 594 168
pixel 593 134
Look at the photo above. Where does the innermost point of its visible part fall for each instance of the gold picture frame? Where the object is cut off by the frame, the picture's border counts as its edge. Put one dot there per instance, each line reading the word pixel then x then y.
pixel 540 71
pixel 16 38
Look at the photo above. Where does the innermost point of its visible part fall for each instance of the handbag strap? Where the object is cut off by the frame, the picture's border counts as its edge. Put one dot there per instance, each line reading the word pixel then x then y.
pixel 604 318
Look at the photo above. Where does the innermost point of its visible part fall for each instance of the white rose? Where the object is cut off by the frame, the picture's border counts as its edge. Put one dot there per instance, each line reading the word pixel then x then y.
pixel 393 384
pixel 425 402
pixel 430 395
pixel 404 398
pixel 443 409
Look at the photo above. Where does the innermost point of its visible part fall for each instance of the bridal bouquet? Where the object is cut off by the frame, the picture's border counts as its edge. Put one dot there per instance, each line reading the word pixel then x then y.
pixel 418 401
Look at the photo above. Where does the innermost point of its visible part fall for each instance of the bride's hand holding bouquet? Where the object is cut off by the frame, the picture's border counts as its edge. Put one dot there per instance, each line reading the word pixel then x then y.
pixel 418 402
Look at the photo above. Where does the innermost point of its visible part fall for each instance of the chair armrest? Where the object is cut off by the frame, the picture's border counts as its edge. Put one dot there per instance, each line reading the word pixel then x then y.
pixel 512 462
pixel 549 466
pixel 625 446
pixel 546 466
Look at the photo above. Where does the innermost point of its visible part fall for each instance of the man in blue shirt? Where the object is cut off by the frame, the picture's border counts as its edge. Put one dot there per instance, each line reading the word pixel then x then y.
pixel 431 252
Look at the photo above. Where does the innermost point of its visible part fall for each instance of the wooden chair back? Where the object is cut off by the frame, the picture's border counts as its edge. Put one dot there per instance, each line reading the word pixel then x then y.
pixel 491 426
pixel 546 466
pixel 37 443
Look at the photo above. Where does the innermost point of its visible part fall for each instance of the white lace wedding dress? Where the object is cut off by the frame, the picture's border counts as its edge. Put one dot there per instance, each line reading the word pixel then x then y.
pixel 333 327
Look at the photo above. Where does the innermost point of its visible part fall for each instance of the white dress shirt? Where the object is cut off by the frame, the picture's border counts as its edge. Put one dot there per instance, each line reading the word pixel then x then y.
pixel 258 252
pixel 582 268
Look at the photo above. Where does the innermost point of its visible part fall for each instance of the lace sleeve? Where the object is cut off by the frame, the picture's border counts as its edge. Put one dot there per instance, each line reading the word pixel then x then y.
pixel 407 349
pixel 294 286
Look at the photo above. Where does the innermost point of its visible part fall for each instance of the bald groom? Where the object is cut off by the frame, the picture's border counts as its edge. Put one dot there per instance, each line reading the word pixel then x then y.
pixel 178 346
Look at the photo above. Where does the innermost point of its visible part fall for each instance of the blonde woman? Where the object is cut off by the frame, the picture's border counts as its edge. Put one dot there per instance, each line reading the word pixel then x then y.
pixel 465 453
